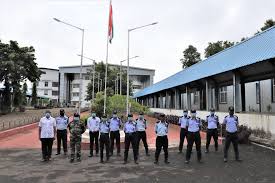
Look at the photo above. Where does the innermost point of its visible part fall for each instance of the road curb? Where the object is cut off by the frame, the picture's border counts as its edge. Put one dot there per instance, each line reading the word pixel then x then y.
pixel 14 131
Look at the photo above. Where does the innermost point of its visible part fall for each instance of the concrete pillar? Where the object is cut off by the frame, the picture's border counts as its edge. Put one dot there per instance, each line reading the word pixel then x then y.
pixel 208 93
pixel 216 97
pixel 237 94
pixel 188 98
pixel 155 101
pixel 177 99
pixel 167 102
pixel 160 101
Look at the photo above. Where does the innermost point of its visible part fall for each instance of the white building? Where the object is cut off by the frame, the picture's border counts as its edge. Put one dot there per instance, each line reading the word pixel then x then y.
pixel 48 86
pixel 70 82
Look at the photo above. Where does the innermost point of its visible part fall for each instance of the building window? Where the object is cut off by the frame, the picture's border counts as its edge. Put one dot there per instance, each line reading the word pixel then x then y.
pixel 46 84
pixel 55 93
pixel 196 97
pixel 45 92
pixel 77 76
pixel 75 94
pixel 258 92
pixel 55 84
pixel 76 85
pixel 273 90
pixel 223 95
pixel 136 87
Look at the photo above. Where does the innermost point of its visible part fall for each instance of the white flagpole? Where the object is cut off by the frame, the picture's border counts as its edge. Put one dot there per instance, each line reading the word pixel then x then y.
pixel 106 65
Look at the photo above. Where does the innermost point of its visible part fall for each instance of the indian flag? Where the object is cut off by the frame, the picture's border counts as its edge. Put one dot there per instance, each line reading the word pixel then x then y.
pixel 111 26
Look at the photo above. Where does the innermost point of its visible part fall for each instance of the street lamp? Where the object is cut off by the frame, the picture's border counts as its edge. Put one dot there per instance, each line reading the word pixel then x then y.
pixel 129 30
pixel 120 73
pixel 93 94
pixel 81 60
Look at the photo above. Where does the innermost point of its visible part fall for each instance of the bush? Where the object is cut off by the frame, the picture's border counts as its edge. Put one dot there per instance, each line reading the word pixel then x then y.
pixel 118 103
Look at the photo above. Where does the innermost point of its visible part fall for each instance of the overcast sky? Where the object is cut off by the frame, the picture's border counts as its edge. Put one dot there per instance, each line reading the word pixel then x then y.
pixel 181 23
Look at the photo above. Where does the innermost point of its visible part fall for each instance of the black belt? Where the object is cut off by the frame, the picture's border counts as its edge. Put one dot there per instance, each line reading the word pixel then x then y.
pixel 231 133
pixel 194 132
pixel 101 133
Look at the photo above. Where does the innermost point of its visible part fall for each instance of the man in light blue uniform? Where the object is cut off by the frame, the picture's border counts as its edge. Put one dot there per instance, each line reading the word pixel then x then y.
pixel 141 132
pixel 93 126
pixel 104 129
pixel 62 122
pixel 193 125
pixel 115 124
pixel 130 129
pixel 183 131
pixel 231 122
pixel 212 129
pixel 161 129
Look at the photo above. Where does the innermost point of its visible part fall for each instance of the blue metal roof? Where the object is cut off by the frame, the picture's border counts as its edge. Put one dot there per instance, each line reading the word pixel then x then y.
pixel 255 49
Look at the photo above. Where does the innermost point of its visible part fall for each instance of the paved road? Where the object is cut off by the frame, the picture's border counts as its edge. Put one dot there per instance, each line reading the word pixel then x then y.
pixel 24 166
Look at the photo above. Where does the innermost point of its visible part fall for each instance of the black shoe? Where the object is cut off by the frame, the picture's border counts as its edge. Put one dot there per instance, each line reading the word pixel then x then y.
pixel 125 162
pixel 57 154
pixel 238 160
pixel 65 153
pixel 72 160
pixel 43 160
pixel 107 160
pixel 78 159
pixel 156 162
pixel 187 162
pixel 118 154
pixel 216 149
pixel 200 161
pixel 206 151
pixel 101 161
pixel 111 154
pixel 225 160
pixel 166 162
pixel 90 156
pixel 136 162
pixel 147 154
pixel 180 152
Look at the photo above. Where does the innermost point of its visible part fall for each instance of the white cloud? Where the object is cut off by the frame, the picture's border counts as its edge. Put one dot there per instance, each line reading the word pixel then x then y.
pixel 181 22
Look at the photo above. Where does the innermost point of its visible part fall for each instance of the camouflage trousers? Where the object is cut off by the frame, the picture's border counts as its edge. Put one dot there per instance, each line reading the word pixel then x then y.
pixel 75 143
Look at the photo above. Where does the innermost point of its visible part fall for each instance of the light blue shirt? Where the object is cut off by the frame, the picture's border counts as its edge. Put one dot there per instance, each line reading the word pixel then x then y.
pixel 130 127
pixel 183 121
pixel 161 128
pixel 93 124
pixel 114 124
pixel 194 125
pixel 212 122
pixel 141 125
pixel 231 123
pixel 104 127
pixel 62 122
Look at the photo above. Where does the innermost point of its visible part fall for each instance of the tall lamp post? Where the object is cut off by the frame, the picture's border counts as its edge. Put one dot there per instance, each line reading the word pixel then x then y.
pixel 120 74
pixel 81 60
pixel 93 94
pixel 129 31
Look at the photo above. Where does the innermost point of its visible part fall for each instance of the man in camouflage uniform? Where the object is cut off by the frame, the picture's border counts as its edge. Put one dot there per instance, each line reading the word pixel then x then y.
pixel 76 129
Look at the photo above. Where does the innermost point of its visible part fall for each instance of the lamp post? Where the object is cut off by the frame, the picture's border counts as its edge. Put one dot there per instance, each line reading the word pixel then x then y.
pixel 81 60
pixel 120 74
pixel 93 93
pixel 128 53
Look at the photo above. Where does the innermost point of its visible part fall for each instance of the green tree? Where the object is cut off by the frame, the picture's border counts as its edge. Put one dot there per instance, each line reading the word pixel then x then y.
pixel 6 100
pixel 113 72
pixel 16 65
pixel 268 23
pixel 34 94
pixel 216 47
pixel 190 56
pixel 24 93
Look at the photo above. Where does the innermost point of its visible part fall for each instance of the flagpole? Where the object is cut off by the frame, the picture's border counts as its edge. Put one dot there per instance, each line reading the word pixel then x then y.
pixel 106 65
